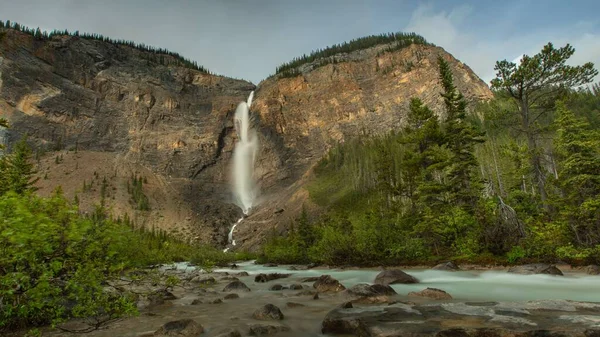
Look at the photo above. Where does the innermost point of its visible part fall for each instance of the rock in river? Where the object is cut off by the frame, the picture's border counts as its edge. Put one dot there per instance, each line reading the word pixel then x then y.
pixel 394 276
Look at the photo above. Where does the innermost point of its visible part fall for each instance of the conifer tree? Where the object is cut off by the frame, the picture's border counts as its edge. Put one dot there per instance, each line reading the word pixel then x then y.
pixel 19 169
pixel 461 138
pixel 578 146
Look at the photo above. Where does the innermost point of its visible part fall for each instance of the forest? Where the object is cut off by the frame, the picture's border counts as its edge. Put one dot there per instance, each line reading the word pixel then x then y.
pixel 512 180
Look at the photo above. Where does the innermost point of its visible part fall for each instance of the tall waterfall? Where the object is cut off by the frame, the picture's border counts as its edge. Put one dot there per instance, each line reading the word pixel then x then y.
pixel 244 155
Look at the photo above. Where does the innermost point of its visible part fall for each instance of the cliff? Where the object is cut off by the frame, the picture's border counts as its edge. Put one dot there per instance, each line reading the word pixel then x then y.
pixel 102 115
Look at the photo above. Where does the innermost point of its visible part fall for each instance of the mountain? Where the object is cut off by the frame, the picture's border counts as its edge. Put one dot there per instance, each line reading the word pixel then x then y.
pixel 151 137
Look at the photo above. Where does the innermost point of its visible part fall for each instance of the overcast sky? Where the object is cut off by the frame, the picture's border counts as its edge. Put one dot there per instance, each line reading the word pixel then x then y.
pixel 248 39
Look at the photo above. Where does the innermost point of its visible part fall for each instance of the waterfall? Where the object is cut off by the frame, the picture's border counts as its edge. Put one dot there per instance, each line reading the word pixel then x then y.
pixel 244 156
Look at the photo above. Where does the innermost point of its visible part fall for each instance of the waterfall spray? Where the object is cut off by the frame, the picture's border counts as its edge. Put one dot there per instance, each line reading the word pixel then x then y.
pixel 244 156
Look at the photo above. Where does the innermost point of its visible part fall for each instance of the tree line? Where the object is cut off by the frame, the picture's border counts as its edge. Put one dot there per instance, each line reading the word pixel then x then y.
pixel 154 54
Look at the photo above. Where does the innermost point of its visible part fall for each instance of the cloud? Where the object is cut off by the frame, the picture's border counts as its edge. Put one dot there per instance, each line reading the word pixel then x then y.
pixel 481 46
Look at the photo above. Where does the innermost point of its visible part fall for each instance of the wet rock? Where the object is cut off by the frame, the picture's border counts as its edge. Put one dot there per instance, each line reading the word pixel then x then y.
pixel 536 268
pixel 269 265
pixel 216 301
pixel 365 289
pixel 268 312
pixel 309 279
pixel 316 296
pixel 261 278
pixel 294 305
pixel 204 280
pixel 232 296
pixel 266 329
pixel 276 287
pixel 236 286
pixel 433 293
pixel 298 268
pixel 326 283
pixel 196 302
pixel 160 296
pixel 229 278
pixel 296 287
pixel 180 328
pixel 372 300
pixel 592 270
pixel 346 305
pixel 394 276
pixel 447 266
pixel 233 266
pixel 241 274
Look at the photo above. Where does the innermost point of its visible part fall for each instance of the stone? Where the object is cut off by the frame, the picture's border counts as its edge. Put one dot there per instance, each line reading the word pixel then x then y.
pixel 160 296
pixel 364 289
pixel 241 274
pixel 296 287
pixel 270 265
pixel 394 276
pixel 180 328
pixel 592 270
pixel 433 293
pixel 232 296
pixel 268 312
pixel 326 283
pixel 316 296
pixel 372 300
pixel 216 301
pixel 346 305
pixel 266 329
pixel 229 278
pixel 261 278
pixel 536 268
pixel 447 266
pixel 227 332
pixel 204 280
pixel 236 286
pixel 196 301
pixel 309 279
pixel 294 305
pixel 306 292
pixel 276 287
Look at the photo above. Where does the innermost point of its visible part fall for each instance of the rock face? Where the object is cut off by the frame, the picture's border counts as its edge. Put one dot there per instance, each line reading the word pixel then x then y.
pixel 121 114
pixel 394 276
pixel 536 268
pixel 538 318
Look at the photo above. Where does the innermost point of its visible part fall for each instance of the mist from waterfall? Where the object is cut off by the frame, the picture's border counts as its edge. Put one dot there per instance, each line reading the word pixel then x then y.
pixel 244 156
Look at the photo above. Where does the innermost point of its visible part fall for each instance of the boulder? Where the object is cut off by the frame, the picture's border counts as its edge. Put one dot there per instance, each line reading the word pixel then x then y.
pixel 447 266
pixel 266 329
pixel 306 292
pixel 536 268
pixel 365 289
pixel 326 283
pixel 268 312
pixel 236 286
pixel 269 265
pixel 433 293
pixel 394 276
pixel 309 279
pixel 160 296
pixel 592 270
pixel 261 278
pixel 216 301
pixel 276 287
pixel 196 301
pixel 231 296
pixel 241 274
pixel 204 280
pixel 180 328
pixel 227 332
pixel 229 278
pixel 296 287
pixel 379 299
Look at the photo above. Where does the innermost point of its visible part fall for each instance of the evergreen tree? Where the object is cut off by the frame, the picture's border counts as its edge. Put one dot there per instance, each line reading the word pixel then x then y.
pixel 19 169
pixel 534 85
pixel 579 175
pixel 461 137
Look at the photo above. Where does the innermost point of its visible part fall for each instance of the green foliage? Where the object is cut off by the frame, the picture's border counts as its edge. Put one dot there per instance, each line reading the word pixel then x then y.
pixel 17 171
pixel 151 54
pixel 327 55
pixel 135 187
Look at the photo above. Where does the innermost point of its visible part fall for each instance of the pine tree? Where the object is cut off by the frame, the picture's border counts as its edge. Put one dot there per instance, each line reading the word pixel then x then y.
pixel 579 175
pixel 534 85
pixel 19 169
pixel 461 137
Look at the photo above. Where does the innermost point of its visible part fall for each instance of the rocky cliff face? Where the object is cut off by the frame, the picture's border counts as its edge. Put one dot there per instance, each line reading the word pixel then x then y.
pixel 99 113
